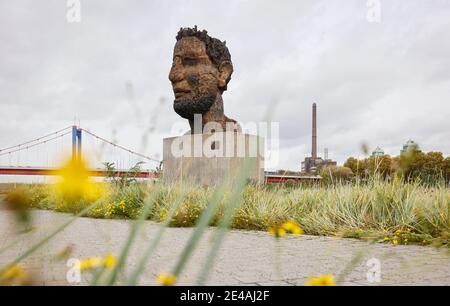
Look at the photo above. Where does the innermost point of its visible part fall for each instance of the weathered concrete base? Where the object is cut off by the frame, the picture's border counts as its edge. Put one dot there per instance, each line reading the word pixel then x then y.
pixel 208 159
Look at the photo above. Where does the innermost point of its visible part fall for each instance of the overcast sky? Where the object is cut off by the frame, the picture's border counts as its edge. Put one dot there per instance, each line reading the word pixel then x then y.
pixel 379 83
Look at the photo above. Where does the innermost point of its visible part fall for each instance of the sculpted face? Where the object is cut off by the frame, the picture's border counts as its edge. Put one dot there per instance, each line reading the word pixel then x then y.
pixel 196 81
pixel 201 70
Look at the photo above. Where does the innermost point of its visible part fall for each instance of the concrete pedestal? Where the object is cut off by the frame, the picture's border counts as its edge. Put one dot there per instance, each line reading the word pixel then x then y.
pixel 207 159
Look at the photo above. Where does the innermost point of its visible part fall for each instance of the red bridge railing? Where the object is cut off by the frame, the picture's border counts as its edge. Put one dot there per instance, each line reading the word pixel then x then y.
pixel 93 172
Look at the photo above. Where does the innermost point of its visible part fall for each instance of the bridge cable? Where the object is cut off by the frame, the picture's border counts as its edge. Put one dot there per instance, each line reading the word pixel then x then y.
pixel 36 139
pixel 35 144
pixel 121 147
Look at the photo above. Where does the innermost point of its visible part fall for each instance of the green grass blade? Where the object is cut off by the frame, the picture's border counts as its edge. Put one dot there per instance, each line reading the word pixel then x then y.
pixel 234 202
pixel 202 223
pixel 53 234
pixel 133 279
pixel 111 279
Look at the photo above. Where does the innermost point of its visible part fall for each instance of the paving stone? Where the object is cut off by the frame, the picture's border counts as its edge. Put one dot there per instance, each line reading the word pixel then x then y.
pixel 245 257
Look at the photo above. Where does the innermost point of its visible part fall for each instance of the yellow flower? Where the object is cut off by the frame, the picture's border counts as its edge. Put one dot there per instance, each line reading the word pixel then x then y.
pixel 122 205
pixel 90 263
pixel 395 242
pixel 74 182
pixel 386 238
pixel 109 261
pixel 278 232
pixel 287 227
pixel 292 227
pixel 166 279
pixel 322 280
pixel 15 274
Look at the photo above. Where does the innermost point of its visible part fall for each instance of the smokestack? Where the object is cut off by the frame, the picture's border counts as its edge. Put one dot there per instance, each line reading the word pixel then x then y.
pixel 314 132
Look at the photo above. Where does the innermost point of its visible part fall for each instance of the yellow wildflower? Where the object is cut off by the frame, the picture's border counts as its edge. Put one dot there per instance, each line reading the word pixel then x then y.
pixel 109 261
pixel 287 227
pixel 122 205
pixel 322 280
pixel 166 279
pixel 75 183
pixel 395 242
pixel 292 227
pixel 15 274
pixel 90 263
pixel 278 232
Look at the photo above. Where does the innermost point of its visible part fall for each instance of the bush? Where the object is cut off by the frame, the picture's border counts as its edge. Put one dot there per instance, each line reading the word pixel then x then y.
pixel 335 174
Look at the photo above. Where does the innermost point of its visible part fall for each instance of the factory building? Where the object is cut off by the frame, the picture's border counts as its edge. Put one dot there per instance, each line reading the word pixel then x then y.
pixel 314 162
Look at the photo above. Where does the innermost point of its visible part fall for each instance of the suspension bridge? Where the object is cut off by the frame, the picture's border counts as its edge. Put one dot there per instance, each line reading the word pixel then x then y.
pixel 42 156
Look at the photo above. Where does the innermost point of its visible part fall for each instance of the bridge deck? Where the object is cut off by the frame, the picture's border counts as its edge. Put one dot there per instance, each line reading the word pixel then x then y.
pixel 54 171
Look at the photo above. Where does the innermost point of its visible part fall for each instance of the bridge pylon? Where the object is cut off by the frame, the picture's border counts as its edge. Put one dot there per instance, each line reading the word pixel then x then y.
pixel 76 143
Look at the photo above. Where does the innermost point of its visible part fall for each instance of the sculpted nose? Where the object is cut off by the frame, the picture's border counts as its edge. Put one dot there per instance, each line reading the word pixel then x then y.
pixel 176 74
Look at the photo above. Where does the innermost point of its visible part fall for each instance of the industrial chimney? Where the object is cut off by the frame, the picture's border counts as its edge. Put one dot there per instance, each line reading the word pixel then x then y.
pixel 314 132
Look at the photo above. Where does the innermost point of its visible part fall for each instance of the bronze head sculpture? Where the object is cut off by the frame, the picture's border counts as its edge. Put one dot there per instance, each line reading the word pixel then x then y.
pixel 200 72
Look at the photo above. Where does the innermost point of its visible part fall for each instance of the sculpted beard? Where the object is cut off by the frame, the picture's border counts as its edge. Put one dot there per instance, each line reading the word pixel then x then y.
pixel 187 107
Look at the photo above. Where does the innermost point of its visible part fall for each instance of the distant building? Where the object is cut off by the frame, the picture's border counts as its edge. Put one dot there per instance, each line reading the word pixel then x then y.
pixel 312 163
pixel 378 152
pixel 410 145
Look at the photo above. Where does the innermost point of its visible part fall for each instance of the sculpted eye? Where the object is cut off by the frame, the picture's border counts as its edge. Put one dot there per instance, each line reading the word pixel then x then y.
pixel 189 61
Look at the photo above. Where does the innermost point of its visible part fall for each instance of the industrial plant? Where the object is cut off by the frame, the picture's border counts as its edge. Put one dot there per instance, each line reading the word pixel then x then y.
pixel 311 164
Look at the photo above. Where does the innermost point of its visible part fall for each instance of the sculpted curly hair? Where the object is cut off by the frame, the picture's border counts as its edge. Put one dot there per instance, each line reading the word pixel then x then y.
pixel 216 49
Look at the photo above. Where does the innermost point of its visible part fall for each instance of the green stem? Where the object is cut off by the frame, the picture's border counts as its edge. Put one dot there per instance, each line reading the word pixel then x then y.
pixel 202 223
pixel 132 281
pixel 231 206
pixel 53 234
pixel 132 235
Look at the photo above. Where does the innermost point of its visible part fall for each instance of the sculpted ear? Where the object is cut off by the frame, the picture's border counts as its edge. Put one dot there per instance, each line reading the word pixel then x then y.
pixel 225 71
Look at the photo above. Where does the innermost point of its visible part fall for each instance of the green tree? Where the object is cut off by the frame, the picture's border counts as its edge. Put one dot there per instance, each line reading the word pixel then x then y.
pixel 446 169
pixel 381 165
pixel 413 164
pixel 336 174
pixel 352 163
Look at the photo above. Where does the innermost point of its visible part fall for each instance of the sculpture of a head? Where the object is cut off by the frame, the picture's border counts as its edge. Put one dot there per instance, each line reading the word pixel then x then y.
pixel 200 72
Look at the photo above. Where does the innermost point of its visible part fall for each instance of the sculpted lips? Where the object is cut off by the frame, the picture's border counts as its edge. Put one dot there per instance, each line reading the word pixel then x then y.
pixel 179 92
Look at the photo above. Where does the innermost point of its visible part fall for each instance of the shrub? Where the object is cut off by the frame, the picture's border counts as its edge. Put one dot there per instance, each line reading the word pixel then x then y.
pixel 335 175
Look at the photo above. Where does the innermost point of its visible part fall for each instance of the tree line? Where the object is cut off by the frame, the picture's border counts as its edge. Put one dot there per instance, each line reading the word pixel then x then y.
pixel 413 165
